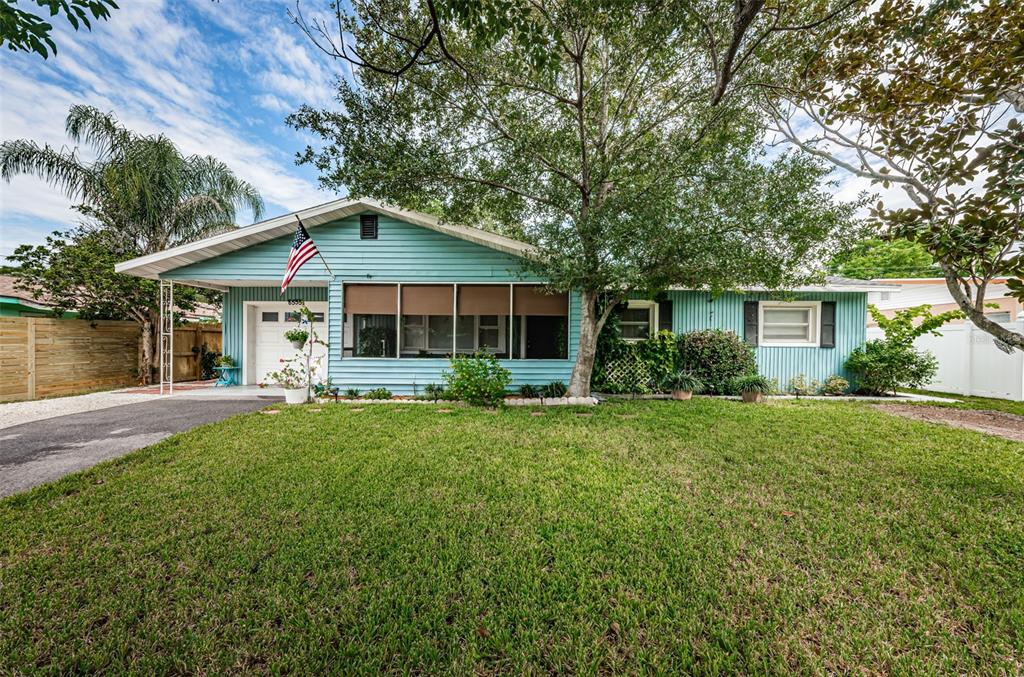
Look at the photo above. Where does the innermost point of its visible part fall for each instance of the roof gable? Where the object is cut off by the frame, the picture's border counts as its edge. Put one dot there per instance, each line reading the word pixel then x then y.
pixel 153 265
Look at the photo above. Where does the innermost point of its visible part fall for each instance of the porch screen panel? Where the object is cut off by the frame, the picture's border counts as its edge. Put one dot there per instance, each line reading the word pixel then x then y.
pixel 427 299
pixel 484 319
pixel 371 299
pixel 483 299
pixel 534 300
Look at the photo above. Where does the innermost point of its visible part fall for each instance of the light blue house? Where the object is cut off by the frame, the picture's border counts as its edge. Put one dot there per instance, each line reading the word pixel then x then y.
pixel 408 292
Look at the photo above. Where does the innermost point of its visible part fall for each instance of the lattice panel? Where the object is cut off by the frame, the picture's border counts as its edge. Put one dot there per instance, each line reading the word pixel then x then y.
pixel 629 373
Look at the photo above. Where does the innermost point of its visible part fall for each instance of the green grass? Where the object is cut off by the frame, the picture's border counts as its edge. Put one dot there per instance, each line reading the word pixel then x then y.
pixel 965 402
pixel 702 537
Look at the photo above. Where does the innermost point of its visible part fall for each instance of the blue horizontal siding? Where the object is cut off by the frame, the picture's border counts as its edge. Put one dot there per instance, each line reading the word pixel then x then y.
pixel 700 310
pixel 402 253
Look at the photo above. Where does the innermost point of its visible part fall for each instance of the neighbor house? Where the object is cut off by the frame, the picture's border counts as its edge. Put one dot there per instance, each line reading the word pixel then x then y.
pixel 15 302
pixel 918 291
pixel 407 292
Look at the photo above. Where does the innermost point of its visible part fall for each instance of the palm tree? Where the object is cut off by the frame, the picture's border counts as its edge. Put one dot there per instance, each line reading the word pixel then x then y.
pixel 139 192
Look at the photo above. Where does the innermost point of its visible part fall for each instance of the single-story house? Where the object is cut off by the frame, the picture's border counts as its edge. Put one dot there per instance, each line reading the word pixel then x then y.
pixel 16 302
pixel 408 291
pixel 916 291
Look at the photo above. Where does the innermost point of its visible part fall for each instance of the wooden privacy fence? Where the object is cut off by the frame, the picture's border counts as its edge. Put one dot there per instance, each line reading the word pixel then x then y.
pixel 192 336
pixel 41 357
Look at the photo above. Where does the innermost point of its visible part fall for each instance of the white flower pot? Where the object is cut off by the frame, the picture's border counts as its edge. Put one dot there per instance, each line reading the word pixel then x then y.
pixel 296 395
pixel 298 344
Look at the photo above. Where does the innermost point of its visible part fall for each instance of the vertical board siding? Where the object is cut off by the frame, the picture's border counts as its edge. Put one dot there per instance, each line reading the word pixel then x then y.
pixel 700 310
pixel 234 305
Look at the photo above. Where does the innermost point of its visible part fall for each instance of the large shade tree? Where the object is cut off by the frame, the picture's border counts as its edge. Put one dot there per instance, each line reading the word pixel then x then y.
pixel 138 194
pixel 618 138
pixel 928 97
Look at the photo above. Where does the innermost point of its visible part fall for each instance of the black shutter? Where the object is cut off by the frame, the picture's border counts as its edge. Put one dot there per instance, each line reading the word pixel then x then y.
pixel 750 322
pixel 368 227
pixel 664 316
pixel 828 324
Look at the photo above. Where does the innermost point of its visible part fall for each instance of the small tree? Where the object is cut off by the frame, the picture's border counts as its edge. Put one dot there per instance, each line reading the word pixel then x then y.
pixel 877 258
pixel 928 97
pixel 883 365
pixel 138 196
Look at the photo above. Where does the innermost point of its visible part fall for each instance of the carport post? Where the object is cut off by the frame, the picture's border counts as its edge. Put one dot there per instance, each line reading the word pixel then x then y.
pixel 167 336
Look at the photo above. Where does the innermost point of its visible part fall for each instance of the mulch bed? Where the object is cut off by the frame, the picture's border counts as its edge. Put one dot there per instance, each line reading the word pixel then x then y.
pixel 999 423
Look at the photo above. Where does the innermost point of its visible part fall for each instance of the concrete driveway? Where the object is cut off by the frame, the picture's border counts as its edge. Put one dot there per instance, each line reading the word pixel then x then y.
pixel 44 450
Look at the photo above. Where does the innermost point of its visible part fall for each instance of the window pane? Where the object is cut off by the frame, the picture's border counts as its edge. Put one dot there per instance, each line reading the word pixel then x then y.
pixel 489 338
pixel 787 332
pixel 464 333
pixel 635 315
pixel 635 331
pixel 374 335
pixel 787 315
pixel 439 332
pixel 269 317
pixel 413 333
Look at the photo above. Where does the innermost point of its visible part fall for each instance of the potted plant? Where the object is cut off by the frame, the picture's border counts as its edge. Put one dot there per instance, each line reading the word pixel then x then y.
pixel 226 361
pixel 294 382
pixel 753 388
pixel 297 336
pixel 683 385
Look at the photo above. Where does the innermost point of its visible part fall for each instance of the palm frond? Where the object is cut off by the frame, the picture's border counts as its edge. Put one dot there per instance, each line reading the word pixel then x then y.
pixel 58 168
pixel 102 131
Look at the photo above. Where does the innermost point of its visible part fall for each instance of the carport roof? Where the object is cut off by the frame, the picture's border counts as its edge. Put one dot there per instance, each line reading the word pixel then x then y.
pixel 153 265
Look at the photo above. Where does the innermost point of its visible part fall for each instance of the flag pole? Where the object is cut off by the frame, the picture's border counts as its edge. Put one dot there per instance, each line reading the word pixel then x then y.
pixel 318 252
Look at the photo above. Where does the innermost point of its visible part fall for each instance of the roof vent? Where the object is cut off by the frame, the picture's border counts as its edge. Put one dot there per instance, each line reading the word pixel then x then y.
pixel 368 227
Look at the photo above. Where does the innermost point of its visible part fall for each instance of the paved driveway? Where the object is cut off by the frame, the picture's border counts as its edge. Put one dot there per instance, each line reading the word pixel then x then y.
pixel 44 450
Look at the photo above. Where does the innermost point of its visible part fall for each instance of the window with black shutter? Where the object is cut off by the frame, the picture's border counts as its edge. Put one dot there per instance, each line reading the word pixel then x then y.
pixel 750 322
pixel 368 227
pixel 828 324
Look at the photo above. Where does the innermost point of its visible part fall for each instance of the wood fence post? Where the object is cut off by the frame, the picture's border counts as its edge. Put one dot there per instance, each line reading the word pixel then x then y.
pixel 31 358
pixel 197 342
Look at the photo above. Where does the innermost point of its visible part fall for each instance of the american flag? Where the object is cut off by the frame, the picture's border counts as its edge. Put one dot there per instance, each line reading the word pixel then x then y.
pixel 303 250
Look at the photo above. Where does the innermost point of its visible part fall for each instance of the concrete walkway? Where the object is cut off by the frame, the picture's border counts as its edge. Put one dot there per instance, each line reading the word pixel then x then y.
pixel 44 440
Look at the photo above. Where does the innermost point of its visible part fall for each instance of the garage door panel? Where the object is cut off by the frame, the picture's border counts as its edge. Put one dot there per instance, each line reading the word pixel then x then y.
pixel 270 346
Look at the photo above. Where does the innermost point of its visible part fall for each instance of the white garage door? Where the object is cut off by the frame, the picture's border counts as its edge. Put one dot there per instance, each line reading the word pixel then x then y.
pixel 269 345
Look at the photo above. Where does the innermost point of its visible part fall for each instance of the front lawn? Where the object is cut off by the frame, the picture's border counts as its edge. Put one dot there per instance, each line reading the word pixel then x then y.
pixel 971 402
pixel 708 536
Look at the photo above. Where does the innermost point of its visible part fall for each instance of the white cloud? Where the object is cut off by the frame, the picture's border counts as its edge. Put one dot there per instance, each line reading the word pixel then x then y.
pixel 160 75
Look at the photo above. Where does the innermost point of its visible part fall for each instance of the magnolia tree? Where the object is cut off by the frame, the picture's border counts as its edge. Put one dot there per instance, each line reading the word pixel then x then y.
pixel 928 97
pixel 621 139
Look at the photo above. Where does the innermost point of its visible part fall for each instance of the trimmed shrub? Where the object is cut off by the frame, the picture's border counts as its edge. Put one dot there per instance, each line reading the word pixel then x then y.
pixel 716 357
pixel 881 366
pixel 801 387
pixel 835 385
pixel 352 393
pixel 378 394
pixel 478 380
pixel 433 391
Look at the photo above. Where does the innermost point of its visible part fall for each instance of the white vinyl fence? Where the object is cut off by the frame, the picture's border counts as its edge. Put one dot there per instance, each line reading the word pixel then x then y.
pixel 970 363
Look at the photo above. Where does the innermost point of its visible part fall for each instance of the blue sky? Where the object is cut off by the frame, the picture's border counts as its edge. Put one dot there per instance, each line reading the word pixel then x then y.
pixel 218 78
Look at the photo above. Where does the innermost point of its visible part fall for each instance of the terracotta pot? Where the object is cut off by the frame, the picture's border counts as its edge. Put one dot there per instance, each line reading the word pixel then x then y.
pixel 752 396
pixel 682 394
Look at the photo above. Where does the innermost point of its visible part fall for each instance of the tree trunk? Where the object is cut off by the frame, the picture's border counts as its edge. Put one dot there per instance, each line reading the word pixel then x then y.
pixel 146 361
pixel 579 384
pixel 1010 338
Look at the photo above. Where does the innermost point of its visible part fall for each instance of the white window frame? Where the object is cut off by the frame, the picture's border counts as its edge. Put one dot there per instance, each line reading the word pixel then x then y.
pixel 652 317
pixel 815 320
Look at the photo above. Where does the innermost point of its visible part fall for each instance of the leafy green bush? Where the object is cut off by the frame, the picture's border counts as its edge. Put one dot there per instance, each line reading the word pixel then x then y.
pixel 835 385
pixel 554 389
pixel 479 379
pixel 208 359
pixel 529 391
pixel 716 357
pixel 352 393
pixel 881 366
pixel 683 380
pixel 752 383
pixel 378 394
